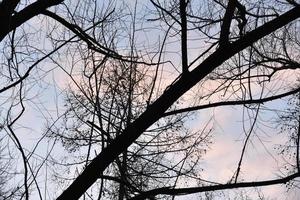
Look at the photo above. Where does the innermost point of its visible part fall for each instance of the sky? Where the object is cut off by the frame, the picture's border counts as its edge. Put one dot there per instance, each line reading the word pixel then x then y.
pixel 46 99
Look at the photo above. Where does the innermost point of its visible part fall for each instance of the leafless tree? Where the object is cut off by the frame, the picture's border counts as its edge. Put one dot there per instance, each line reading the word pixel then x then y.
pixel 142 69
pixel 238 70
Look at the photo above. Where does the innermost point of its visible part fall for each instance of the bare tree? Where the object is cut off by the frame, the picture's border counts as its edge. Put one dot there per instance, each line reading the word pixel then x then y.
pixel 240 29
pixel 144 69
pixel 147 163
pixel 234 37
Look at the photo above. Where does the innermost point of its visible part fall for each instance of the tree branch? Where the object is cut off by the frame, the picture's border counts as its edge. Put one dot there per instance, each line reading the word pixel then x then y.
pixel 184 55
pixel 27 13
pixel 157 108
pixel 191 190
pixel 231 103
pixel 225 28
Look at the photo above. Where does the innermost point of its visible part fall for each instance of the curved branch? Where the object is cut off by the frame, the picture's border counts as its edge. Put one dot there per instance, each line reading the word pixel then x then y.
pixel 91 42
pixel 9 23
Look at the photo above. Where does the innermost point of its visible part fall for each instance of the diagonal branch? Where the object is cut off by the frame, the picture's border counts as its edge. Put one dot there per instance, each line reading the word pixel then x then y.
pixel 24 15
pixel 155 111
pixel 27 73
pixel 90 41
pixel 166 11
pixel 7 7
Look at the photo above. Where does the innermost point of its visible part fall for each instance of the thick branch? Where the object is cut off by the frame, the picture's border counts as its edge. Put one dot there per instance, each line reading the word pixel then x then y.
pixel 27 13
pixel 7 7
pixel 225 28
pixel 155 111
pixel 184 55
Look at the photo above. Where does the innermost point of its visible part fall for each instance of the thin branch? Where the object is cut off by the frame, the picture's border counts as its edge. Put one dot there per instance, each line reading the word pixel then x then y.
pixel 156 110
pixel 192 190
pixel 22 78
pixel 18 143
pixel 231 103
pixel 298 142
pixel 245 145
pixel 90 41
pixel 166 11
